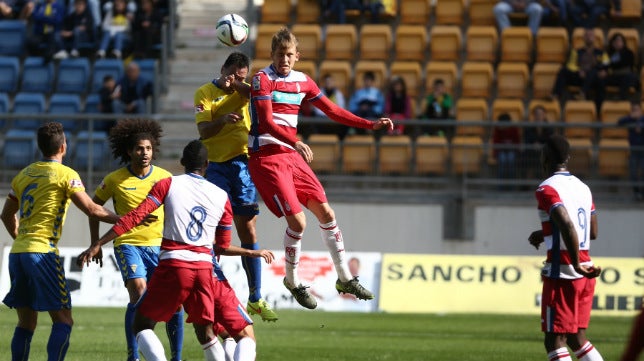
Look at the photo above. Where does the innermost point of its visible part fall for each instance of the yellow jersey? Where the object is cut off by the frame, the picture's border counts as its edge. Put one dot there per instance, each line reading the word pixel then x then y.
pixel 212 102
pixel 43 190
pixel 127 192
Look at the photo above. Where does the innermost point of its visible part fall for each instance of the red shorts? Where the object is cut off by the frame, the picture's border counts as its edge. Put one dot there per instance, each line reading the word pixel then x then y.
pixel 284 181
pixel 230 314
pixel 171 287
pixel 566 304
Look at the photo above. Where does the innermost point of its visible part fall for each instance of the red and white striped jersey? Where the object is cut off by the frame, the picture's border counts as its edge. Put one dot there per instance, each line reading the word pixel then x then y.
pixel 564 189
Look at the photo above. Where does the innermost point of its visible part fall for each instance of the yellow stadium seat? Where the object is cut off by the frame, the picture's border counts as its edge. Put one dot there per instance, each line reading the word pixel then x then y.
pixel 610 113
pixel 307 67
pixel 265 34
pixel 583 112
pixel 431 154
pixel 410 42
pixel 445 42
pixel 553 110
pixel 477 79
pixel 379 68
pixel 481 43
pixel 578 38
pixel 394 154
pixel 307 12
pixel 471 110
pixel 612 158
pixel 415 12
pixel 411 72
pixel 543 79
pixel 513 107
pixel 358 154
pixel 257 65
pixel 441 70
pixel 276 12
pixel 482 12
pixel 326 152
pixel 516 44
pixel 631 10
pixel 512 80
pixel 375 42
pixel 309 37
pixel 340 71
pixel 581 156
pixel 466 156
pixel 450 12
pixel 340 42
pixel 552 45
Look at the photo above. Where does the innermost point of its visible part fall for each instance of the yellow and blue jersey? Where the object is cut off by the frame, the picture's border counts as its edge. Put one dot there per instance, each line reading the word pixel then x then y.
pixel 232 141
pixel 127 192
pixel 43 190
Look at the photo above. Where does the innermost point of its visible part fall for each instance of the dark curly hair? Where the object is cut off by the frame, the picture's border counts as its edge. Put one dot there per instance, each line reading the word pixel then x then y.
pixel 126 134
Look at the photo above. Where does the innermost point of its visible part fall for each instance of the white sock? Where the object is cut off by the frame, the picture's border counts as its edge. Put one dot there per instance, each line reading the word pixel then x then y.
pixel 292 255
pixel 588 352
pixel 245 350
pixel 560 354
pixel 213 351
pixel 332 238
pixel 150 346
pixel 229 348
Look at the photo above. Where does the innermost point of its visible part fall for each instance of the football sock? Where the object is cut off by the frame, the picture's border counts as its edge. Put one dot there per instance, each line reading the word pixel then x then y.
pixel 560 354
pixel 588 352
pixel 130 337
pixel 58 341
pixel 213 351
pixel 229 348
pixel 292 255
pixel 20 344
pixel 253 268
pixel 174 329
pixel 332 237
pixel 245 350
pixel 150 346
pixel 635 342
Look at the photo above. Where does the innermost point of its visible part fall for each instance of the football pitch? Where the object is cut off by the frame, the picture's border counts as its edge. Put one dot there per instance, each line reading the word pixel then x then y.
pixel 316 336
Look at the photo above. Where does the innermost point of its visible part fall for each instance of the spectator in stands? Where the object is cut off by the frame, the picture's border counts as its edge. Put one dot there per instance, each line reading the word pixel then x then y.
pixel 146 29
pixel 47 17
pixel 94 7
pixel 15 9
pixel 107 95
pixel 635 123
pixel 505 142
pixel 439 106
pixel 586 67
pixel 554 11
pixel 132 91
pixel 621 67
pixel 116 26
pixel 338 7
pixel 397 105
pixel 532 8
pixel 79 27
pixel 586 13
pixel 534 138
pixel 335 95
pixel 368 101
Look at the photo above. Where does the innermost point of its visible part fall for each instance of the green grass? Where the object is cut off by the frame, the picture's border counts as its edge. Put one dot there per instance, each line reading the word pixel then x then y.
pixel 316 336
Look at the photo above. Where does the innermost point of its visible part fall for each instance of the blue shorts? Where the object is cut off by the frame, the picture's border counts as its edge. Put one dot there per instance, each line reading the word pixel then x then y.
pixel 233 177
pixel 136 261
pixel 38 282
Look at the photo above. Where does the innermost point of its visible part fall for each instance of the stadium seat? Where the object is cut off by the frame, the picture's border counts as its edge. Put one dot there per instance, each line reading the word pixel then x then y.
pixel 410 42
pixel 445 42
pixel 102 67
pixel 481 12
pixel 265 34
pixel 466 155
pixel 309 38
pixel 28 103
pixel 9 74
pixel 340 42
pixel 73 76
pixel 358 154
pixel 307 67
pixel 610 113
pixel 379 68
pixel 578 38
pixel 552 45
pixel 631 11
pixel 431 155
pixel 543 79
pixel 481 43
pixel 375 42
pixel 471 110
pixel 19 148
pixel 276 11
pixel 150 71
pixel 450 12
pixel 326 152
pixel 91 107
pixel 4 108
pixel 553 110
pixel 581 156
pixel 411 72
pixel 394 154
pixel 307 12
pixel 444 70
pixel 580 111
pixel 512 80
pixel 516 44
pixel 340 71
pixel 259 64
pixel 415 12
pixel 513 107
pixel 100 151
pixel 66 104
pixel 12 37
pixel 632 39
pixel 612 158
pixel 476 79
pixel 37 76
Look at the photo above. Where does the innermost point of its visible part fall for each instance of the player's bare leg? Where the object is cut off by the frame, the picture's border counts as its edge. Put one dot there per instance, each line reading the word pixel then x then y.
pixel 555 344
pixel 583 349
pixel 292 250
pixel 212 349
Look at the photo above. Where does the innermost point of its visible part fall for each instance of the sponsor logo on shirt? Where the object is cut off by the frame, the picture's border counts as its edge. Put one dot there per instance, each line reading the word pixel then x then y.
pixel 198 108
pixel 256 82
pixel 76 183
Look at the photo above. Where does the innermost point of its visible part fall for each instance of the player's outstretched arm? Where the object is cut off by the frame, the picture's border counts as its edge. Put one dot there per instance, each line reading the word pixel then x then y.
pixel 91 209
pixel 93 232
pixel 267 255
pixel 345 117
pixel 561 219
pixel 9 217
pixel 91 253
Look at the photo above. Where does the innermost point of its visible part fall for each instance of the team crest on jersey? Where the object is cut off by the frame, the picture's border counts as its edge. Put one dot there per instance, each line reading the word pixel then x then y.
pixel 133 268
pixel 199 108
pixel 256 82
pixel 75 183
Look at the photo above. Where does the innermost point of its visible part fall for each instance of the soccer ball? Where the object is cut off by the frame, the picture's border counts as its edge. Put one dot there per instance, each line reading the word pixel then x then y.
pixel 232 30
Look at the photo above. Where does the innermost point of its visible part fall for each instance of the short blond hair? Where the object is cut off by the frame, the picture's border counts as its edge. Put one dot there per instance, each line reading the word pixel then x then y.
pixel 283 39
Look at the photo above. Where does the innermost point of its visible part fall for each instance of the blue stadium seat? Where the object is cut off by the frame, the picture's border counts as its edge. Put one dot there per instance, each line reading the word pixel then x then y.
pixel 91 107
pixel 4 107
pixel 9 74
pixel 37 76
pixel 102 67
pixel 12 37
pixel 20 148
pixel 66 104
pixel 99 151
pixel 28 103
pixel 150 70
pixel 73 76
